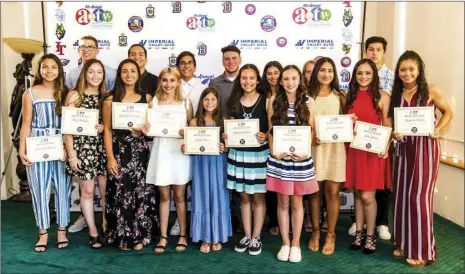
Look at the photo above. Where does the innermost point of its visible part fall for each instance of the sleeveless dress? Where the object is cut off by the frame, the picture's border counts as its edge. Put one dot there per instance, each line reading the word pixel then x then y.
pixel 167 164
pixel 210 217
pixel 89 149
pixel 288 177
pixel 131 211
pixel 416 170
pixel 247 166
pixel 365 171
pixel 329 158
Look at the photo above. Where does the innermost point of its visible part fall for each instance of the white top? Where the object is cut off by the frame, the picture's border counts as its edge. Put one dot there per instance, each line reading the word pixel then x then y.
pixel 386 79
pixel 192 89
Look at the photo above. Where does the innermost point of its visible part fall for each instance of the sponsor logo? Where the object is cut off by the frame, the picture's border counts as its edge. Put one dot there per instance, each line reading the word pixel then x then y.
pixel 104 44
pixel 59 3
pixel 201 22
pixel 250 44
pixel 345 61
pixel 172 60
pixel 122 40
pixel 158 44
pixel 60 15
pixel 60 31
pixel 346 48
pixel 344 87
pixel 150 11
pixel 227 6
pixel 347 17
pixel 96 15
pixel 313 15
pixel 59 48
pixel 347 35
pixel 281 42
pixel 176 6
pixel 135 24
pixel 204 79
pixel 347 4
pixel 315 44
pixel 345 76
pixel 201 49
pixel 268 23
pixel 64 62
pixel 250 9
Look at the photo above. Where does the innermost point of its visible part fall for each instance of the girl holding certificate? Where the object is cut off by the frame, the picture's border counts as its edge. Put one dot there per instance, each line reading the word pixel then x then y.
pixel 87 159
pixel 330 158
pixel 130 202
pixel 168 166
pixel 211 218
pixel 366 171
pixel 41 117
pixel 247 165
pixel 290 175
pixel 416 165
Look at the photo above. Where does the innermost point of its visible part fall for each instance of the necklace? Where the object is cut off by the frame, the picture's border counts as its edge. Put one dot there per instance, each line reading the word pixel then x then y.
pixel 410 90
pixel 249 115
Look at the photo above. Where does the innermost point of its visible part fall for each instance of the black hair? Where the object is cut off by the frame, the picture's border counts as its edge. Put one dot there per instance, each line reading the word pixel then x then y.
pixel 184 54
pixel 137 45
pixel 376 39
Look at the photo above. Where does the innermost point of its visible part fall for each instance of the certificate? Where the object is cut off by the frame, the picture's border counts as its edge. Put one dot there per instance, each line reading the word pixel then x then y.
pixel 242 132
pixel 166 121
pixel 202 140
pixel 44 148
pixel 334 128
pixel 414 121
pixel 79 121
pixel 371 138
pixel 296 139
pixel 128 115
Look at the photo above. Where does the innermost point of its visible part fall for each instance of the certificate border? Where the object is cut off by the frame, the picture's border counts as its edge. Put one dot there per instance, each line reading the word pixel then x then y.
pixel 372 125
pixel 277 128
pixel 333 141
pixel 121 103
pixel 186 137
pixel 397 109
pixel 65 109
pixel 228 121
pixel 165 109
pixel 29 139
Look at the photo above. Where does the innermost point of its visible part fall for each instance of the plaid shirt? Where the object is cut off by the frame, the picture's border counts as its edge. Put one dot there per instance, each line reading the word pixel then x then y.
pixel 386 79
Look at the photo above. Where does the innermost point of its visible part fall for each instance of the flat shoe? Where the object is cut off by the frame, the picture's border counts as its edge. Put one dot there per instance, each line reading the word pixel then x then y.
pixel 283 254
pixel 295 255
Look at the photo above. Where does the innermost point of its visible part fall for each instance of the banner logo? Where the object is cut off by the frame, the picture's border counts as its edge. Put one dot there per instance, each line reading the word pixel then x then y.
pixel 313 14
pixel 345 61
pixel 268 23
pixel 150 11
pixel 281 42
pixel 158 44
pixel 64 62
pixel 60 31
pixel 135 24
pixel 347 17
pixel 347 35
pixel 96 15
pixel 315 44
pixel 60 15
pixel 227 6
pixel 204 79
pixel 259 44
pixel 201 49
pixel 176 6
pixel 346 48
pixel 345 76
pixel 59 48
pixel 172 60
pixel 122 40
pixel 200 21
pixel 250 9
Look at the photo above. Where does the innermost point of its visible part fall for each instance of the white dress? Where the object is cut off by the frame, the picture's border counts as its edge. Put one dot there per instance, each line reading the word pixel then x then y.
pixel 167 164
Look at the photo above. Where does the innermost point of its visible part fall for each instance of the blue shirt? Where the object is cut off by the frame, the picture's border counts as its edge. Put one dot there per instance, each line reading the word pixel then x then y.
pixel 73 75
pixel 386 79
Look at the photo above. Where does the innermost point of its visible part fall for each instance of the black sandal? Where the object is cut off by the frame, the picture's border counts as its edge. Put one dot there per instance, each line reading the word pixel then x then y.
pixel 162 247
pixel 360 237
pixel 93 241
pixel 63 242
pixel 44 246
pixel 181 245
pixel 370 240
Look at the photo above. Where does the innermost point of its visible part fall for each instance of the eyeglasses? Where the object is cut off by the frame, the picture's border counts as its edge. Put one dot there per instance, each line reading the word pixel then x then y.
pixel 184 64
pixel 89 48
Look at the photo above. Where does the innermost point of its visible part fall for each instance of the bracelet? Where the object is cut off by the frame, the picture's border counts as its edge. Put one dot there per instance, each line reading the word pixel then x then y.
pixel 71 159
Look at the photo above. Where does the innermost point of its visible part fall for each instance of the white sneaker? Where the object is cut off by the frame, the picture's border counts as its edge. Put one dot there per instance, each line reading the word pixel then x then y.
pixel 295 255
pixel 175 229
pixel 283 254
pixel 352 230
pixel 79 225
pixel 383 232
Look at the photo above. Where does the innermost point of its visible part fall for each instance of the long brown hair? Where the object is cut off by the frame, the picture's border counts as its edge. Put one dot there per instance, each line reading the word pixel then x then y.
pixel 160 94
pixel 281 103
pixel 60 88
pixel 373 88
pixel 216 115
pixel 82 85
pixel 303 80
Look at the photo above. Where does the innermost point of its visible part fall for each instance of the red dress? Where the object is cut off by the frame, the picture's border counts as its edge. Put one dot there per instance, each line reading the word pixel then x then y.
pixel 365 171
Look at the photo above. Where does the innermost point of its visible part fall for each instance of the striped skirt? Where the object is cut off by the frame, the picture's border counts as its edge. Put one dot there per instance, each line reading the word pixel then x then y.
pixel 287 177
pixel 247 169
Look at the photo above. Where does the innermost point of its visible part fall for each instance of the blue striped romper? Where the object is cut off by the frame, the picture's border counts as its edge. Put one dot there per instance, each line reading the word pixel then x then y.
pixel 40 175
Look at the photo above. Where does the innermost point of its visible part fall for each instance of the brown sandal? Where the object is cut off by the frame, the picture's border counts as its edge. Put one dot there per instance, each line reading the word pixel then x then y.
pixel 331 241
pixel 398 254
pixel 217 247
pixel 315 238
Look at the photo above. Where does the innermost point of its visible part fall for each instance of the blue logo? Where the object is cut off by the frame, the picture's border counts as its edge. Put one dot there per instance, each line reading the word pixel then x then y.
pixel 201 49
pixel 281 42
pixel 268 23
pixel 204 79
pixel 315 44
pixel 135 24
pixel 60 15
pixel 64 62
pixel 250 44
pixel 104 44
pixel 250 9
pixel 176 6
pixel 158 44
pixel 345 76
pixel 227 6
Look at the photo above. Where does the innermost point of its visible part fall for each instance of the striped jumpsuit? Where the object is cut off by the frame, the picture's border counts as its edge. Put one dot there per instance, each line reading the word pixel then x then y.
pixel 40 175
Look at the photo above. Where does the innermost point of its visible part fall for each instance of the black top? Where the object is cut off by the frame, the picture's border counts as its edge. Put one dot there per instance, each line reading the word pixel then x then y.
pixel 258 111
pixel 148 82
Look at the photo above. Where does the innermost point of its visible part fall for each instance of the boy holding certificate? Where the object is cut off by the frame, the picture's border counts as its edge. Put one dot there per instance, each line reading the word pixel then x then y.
pixel 41 117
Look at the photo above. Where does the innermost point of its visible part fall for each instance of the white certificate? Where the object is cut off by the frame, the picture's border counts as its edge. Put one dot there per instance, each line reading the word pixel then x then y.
pixel 44 148
pixel 370 137
pixel 128 115
pixel 79 121
pixel 296 139
pixel 334 128
pixel 202 140
pixel 414 121
pixel 242 132
pixel 166 121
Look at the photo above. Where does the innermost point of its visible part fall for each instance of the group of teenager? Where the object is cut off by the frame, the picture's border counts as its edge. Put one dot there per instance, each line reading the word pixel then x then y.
pixel 136 173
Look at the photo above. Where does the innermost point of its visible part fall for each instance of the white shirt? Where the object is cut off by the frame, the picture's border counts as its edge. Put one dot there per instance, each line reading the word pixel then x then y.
pixel 192 89
pixel 386 79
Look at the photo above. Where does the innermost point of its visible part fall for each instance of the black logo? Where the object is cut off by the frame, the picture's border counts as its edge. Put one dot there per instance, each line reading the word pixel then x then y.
pixel 335 137
pixel 414 129
pixel 242 141
pixel 79 129
pixel 165 131
pixel 202 149
pixel 368 145
pixel 130 124
pixel 292 149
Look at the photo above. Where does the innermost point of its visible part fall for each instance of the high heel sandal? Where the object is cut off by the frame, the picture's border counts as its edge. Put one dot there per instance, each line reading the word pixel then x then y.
pixel 315 234
pixel 360 237
pixel 181 245
pixel 370 240
pixel 398 254
pixel 41 246
pixel 63 242
pixel 162 247
pixel 93 241
pixel 330 236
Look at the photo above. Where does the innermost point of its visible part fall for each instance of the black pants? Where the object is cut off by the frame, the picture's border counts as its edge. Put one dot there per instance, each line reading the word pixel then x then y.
pixel 383 198
pixel 271 199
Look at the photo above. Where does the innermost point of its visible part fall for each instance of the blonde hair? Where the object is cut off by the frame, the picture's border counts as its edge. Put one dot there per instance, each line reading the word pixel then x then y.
pixel 160 94
pixel 303 79
pixel 82 85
